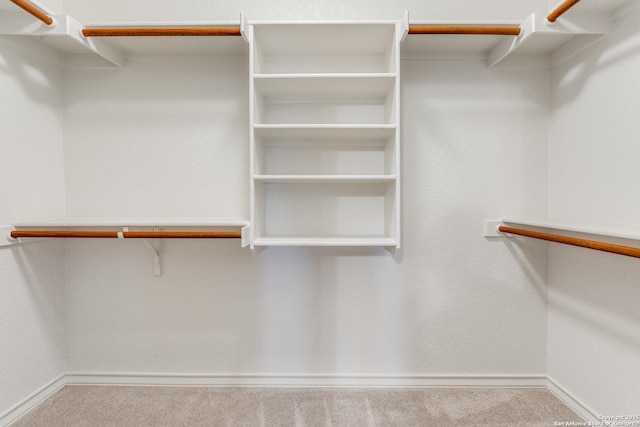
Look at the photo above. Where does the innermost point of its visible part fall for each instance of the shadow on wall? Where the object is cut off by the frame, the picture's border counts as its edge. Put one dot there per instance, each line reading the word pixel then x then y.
pixel 528 253
pixel 30 72
pixel 329 311
pixel 42 268
pixel 621 44
pixel 594 288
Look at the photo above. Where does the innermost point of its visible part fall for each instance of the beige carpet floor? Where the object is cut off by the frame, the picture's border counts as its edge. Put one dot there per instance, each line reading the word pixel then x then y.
pixel 98 406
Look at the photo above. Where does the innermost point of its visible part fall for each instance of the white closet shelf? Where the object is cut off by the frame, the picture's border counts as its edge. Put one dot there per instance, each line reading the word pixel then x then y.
pixel 340 85
pixel 317 179
pixel 541 37
pixel 625 231
pixel 369 40
pixel 328 131
pixel 346 37
pixel 563 38
pixel 82 222
pixel 64 35
pixel 325 241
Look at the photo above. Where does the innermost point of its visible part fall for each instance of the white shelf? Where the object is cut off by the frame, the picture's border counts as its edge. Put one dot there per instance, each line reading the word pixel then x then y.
pixel 326 208
pixel 324 86
pixel 313 37
pixel 539 37
pixel 64 35
pixel 322 47
pixel 318 179
pixel 309 110
pixel 325 151
pixel 539 44
pixel 84 222
pixel 325 241
pixel 625 231
pixel 353 47
pixel 327 131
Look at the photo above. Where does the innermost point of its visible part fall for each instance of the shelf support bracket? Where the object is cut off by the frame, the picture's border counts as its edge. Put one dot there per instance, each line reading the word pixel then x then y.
pixel 491 228
pixel 7 240
pixel 153 245
pixel 5 237
pixel 245 240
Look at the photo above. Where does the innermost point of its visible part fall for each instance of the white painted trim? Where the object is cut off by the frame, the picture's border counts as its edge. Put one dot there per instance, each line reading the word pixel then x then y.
pixel 30 402
pixel 571 401
pixel 299 380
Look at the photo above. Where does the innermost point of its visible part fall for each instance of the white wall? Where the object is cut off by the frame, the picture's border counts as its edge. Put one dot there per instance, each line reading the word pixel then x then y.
pixel 229 10
pixel 594 321
pixel 31 184
pixel 168 136
pixel 160 137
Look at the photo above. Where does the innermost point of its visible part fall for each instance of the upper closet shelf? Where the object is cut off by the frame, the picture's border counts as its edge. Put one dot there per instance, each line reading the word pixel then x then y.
pixel 541 39
pixel 108 44
pixel 349 48
pixel 560 39
pixel 64 34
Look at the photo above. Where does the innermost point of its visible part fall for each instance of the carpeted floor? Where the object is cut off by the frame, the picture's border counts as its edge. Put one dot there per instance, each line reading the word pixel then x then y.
pixel 99 406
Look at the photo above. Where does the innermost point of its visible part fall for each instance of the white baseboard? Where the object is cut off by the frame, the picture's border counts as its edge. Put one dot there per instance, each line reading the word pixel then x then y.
pixel 296 380
pixel 579 407
pixel 301 380
pixel 27 404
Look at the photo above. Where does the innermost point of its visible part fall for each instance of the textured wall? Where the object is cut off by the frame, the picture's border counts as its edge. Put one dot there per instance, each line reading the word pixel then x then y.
pixel 202 10
pixel 169 137
pixel 594 321
pixel 31 184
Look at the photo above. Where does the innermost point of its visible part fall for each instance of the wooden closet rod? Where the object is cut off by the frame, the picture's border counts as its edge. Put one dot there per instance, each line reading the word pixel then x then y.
pixel 583 243
pixel 33 10
pixel 560 10
pixel 128 234
pixel 160 31
pixel 440 29
pixel 235 31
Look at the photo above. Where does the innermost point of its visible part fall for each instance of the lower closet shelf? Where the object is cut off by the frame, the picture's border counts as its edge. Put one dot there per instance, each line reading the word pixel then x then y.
pixel 79 222
pixel 324 241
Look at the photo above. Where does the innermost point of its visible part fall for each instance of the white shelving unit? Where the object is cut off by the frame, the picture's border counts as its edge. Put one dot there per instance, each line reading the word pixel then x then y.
pixel 539 44
pixel 325 167
pixel 324 107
